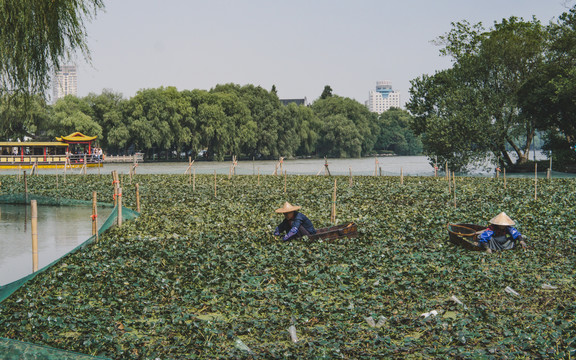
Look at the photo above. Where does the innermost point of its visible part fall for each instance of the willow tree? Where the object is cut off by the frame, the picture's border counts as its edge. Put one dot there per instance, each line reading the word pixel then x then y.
pixel 37 36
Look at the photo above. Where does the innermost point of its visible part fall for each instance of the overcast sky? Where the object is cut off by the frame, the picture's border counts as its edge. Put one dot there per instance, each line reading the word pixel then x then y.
pixel 298 45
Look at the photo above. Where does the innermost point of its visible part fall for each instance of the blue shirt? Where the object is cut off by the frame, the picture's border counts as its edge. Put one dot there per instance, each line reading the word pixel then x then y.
pixel 487 235
pixel 291 226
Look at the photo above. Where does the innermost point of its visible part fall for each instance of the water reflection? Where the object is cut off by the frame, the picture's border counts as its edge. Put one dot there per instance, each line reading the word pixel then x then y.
pixel 60 229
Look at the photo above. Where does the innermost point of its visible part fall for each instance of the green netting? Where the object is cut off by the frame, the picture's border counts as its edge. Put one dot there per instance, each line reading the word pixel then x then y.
pixel 12 349
pixel 19 350
pixel 127 214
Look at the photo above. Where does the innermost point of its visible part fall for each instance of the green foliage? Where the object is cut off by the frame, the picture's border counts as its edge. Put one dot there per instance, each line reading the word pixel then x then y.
pixel 201 276
pixel 71 114
pixel 36 37
pixel 396 134
pixel 22 116
pixel 354 118
pixel 478 99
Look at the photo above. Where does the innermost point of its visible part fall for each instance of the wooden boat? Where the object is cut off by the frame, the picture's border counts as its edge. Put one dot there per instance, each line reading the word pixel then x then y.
pixel 349 230
pixel 56 154
pixel 465 235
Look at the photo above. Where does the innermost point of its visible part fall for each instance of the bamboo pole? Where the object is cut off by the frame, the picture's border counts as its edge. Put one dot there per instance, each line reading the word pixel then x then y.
pixel 119 207
pixel 194 180
pixel 449 186
pixel 447 172
pixel 258 176
pixel 535 181
pixel 214 183
pixel 281 164
pixel 351 182
pixel 401 176
pixel 285 181
pixel 115 186
pixel 454 188
pixel 333 216
pixel 34 210
pixel 25 187
pixel 137 197
pixel 375 166
pixel 94 215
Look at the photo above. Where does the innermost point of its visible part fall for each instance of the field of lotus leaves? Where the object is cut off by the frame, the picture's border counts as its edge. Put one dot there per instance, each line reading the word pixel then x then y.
pixel 199 275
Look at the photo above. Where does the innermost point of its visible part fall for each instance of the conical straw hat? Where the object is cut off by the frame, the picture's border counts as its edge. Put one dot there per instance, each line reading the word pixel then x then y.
pixel 502 219
pixel 287 208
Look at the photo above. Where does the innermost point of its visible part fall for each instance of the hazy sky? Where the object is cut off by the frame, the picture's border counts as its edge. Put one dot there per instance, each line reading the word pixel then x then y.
pixel 299 46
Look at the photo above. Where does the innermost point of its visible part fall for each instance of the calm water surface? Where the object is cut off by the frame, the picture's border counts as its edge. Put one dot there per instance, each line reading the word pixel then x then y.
pixel 387 166
pixel 60 229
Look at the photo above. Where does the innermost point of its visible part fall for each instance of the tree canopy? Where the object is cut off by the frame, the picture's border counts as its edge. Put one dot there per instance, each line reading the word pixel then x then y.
pixel 229 119
pixel 474 109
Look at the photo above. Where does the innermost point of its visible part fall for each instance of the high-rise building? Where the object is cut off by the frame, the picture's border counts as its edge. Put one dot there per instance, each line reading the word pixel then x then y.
pixel 383 98
pixel 65 82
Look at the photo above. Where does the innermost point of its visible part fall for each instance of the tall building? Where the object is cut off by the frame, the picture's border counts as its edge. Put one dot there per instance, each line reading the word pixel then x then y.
pixel 65 82
pixel 383 98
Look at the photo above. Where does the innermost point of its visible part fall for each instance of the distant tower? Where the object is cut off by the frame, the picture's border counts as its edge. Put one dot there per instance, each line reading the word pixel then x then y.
pixel 65 82
pixel 383 98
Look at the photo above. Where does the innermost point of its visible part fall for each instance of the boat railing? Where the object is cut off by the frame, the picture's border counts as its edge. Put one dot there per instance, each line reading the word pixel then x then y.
pixel 50 159
pixel 81 158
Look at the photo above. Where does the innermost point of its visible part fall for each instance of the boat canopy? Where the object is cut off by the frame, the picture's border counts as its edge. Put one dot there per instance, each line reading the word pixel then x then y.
pixel 76 137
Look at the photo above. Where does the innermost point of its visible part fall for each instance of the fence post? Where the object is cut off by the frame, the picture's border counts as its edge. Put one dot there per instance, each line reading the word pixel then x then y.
pixel 34 208
pixel 138 197
pixel 119 207
pixel 94 215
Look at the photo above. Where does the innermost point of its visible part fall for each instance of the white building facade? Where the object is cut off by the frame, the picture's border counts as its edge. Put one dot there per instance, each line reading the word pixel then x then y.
pixel 383 98
pixel 65 82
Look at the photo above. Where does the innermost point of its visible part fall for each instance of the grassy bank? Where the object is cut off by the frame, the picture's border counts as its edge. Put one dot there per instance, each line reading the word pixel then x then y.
pixel 199 275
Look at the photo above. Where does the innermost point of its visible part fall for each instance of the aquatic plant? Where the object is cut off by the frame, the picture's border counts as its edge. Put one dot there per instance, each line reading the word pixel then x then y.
pixel 199 275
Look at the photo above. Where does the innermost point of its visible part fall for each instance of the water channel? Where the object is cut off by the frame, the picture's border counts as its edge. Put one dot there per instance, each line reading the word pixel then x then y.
pixel 60 229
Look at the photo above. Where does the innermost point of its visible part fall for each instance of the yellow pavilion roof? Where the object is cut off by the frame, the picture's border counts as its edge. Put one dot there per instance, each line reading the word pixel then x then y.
pixel 76 137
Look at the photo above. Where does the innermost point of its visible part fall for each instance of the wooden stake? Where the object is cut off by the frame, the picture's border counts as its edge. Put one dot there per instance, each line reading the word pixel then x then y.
pixel 454 187
pixel 258 176
pixel 447 172
pixel 194 181
pixel 375 166
pixel 25 187
pixel 214 183
pixel 119 207
pixel 448 178
pixel 401 176
pixel 94 215
pixel 351 183
pixel 333 216
pixel 285 181
pixel 34 209
pixel 138 197
pixel 115 186
pixel 535 181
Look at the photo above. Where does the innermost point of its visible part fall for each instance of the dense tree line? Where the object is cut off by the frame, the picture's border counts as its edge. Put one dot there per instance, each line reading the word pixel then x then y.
pixel 506 84
pixel 227 120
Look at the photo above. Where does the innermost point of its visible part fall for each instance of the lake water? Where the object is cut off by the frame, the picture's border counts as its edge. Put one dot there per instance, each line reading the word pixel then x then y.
pixel 387 166
pixel 60 229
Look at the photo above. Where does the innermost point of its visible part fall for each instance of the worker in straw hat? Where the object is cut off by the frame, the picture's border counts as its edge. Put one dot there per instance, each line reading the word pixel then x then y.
pixel 500 235
pixel 295 224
